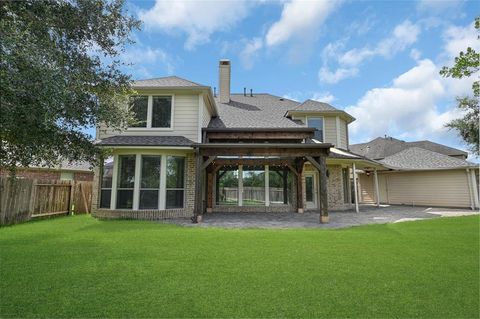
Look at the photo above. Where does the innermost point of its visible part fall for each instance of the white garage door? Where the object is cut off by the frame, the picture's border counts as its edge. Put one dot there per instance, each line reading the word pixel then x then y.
pixel 429 188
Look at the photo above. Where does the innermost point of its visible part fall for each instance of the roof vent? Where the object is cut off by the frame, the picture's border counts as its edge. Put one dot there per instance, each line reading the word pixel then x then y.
pixel 281 99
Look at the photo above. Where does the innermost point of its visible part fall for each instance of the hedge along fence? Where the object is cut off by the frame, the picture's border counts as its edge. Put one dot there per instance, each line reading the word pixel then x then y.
pixel 24 199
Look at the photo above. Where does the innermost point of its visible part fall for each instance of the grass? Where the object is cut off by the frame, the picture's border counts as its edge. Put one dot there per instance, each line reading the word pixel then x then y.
pixel 82 267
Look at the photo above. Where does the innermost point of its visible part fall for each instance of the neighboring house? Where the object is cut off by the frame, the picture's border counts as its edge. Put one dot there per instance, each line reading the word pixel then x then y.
pixel 192 152
pixel 419 173
pixel 76 171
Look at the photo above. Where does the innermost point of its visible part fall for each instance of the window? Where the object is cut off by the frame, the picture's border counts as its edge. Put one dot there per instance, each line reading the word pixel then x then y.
pixel 152 111
pixel 175 182
pixel 227 186
pixel 150 182
pixel 162 111
pixel 309 188
pixel 139 106
pixel 126 181
pixel 106 187
pixel 316 122
pixel 280 185
pixel 253 186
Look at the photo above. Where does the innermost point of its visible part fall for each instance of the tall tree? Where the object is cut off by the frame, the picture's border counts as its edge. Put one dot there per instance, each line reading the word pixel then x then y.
pixel 60 72
pixel 467 64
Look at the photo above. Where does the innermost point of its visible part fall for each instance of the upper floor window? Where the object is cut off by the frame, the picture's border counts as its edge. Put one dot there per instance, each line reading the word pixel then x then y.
pixel 316 122
pixel 152 111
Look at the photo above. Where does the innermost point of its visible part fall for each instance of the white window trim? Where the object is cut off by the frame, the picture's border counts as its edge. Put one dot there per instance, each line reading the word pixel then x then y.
pixel 149 127
pixel 323 124
pixel 136 187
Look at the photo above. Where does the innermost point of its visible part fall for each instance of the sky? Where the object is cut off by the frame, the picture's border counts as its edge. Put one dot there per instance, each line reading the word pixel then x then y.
pixel 377 60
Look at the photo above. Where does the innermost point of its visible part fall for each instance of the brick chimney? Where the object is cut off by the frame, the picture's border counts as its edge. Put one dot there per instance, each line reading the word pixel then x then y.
pixel 224 81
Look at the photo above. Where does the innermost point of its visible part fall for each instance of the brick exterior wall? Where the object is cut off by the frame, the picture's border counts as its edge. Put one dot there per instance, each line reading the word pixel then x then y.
pixel 335 194
pixel 187 211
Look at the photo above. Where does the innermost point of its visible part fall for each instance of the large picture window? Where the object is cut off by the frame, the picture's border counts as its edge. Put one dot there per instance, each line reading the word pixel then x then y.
pixel 126 181
pixel 253 186
pixel 150 182
pixel 175 189
pixel 227 186
pixel 316 122
pixel 161 111
pixel 139 107
pixel 152 111
pixel 106 187
pixel 280 182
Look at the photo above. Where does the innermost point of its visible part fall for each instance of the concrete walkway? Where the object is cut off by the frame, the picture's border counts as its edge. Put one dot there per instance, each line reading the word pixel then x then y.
pixel 368 215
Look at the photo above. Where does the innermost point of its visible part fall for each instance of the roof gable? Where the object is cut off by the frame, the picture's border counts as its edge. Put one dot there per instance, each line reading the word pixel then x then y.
pixel 167 81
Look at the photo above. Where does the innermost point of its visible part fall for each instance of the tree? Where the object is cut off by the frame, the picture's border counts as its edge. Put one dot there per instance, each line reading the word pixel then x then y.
pixel 60 72
pixel 466 64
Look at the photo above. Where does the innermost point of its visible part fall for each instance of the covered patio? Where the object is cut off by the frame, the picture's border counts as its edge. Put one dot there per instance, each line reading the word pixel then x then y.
pixel 282 158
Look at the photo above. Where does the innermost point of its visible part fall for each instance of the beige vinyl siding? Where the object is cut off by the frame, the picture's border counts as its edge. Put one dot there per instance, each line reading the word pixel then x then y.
pixel 330 128
pixel 185 121
pixel 343 143
pixel 366 189
pixel 206 116
pixel 447 188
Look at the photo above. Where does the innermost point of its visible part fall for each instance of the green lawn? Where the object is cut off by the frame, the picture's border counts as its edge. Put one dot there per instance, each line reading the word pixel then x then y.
pixel 82 267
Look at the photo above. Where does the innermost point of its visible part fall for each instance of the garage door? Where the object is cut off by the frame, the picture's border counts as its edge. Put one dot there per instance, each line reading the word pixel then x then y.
pixel 429 188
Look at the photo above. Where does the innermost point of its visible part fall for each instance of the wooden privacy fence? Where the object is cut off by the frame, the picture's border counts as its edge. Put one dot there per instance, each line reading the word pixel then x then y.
pixel 24 199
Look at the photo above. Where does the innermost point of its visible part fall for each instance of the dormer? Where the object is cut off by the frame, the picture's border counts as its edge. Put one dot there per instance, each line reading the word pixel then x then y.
pixel 330 122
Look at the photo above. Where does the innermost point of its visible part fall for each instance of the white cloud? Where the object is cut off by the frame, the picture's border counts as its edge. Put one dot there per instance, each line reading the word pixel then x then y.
pixel 299 17
pixel 198 19
pixel 327 76
pixel 409 108
pixel 325 97
pixel 459 39
pixel 298 96
pixel 404 35
pixel 415 54
pixel 145 59
pixel 250 52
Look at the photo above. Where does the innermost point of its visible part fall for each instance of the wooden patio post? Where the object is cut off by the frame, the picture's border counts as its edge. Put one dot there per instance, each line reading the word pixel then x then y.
pixel 299 170
pixel 323 194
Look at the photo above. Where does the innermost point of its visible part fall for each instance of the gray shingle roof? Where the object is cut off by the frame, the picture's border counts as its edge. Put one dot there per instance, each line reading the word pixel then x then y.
pixel 258 111
pixel 382 147
pixel 126 140
pixel 416 158
pixel 315 106
pixel 167 81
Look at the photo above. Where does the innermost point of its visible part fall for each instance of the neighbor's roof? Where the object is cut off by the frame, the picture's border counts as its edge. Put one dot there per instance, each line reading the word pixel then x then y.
pixel 65 165
pixel 258 111
pixel 415 158
pixel 126 140
pixel 382 147
pixel 167 81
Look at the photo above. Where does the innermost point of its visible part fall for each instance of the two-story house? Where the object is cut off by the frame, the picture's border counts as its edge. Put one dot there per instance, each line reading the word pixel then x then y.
pixel 192 152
